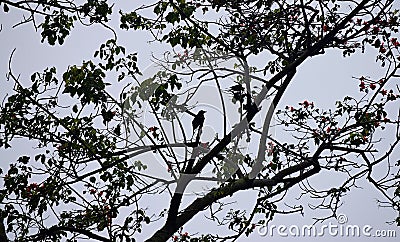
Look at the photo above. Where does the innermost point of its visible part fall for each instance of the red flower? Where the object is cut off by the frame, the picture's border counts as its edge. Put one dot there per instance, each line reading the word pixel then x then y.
pixel 152 129
pixel 366 24
pixel 372 86
pixel 383 92
pixel 325 28
pixel 395 42
pixel 328 129
pixel 382 49
pixel 377 20
pixel 169 166
pixel 362 85
pixel 30 188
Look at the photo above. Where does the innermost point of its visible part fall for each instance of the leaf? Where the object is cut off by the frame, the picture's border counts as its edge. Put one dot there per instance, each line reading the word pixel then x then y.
pixel 33 77
pixel 117 130
pixel 6 8
pixel 75 108
pixel 25 159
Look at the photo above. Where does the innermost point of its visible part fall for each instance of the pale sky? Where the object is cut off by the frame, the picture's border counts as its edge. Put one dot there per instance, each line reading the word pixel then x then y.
pixel 323 79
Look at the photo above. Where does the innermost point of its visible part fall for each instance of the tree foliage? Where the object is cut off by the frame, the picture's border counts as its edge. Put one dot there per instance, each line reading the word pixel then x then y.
pixel 87 176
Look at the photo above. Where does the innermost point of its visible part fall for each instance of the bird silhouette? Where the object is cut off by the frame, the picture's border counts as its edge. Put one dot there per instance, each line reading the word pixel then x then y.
pixel 198 120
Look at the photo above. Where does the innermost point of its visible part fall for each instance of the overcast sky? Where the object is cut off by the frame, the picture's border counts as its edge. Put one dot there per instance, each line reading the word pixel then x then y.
pixel 323 79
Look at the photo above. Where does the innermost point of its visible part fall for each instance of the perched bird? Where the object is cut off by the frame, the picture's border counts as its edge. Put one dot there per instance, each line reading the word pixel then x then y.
pixel 198 120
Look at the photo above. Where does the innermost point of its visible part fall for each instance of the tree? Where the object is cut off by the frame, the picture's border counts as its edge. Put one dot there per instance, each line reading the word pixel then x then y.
pixel 87 176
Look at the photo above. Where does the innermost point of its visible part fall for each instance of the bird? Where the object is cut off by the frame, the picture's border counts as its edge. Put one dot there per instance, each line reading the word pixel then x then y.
pixel 198 120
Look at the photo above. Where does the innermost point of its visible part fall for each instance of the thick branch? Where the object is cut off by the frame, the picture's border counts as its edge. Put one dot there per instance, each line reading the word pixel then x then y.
pixel 199 204
pixel 242 184
pixel 56 229
pixel 3 234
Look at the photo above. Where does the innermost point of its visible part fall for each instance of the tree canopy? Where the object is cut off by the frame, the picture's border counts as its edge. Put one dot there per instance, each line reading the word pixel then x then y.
pixel 100 157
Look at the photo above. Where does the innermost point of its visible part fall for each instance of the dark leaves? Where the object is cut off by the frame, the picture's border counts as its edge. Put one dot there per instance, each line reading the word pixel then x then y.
pixel 57 27
pixel 86 82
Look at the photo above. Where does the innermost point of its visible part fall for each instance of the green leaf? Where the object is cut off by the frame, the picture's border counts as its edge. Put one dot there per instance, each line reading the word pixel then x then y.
pixel 172 17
